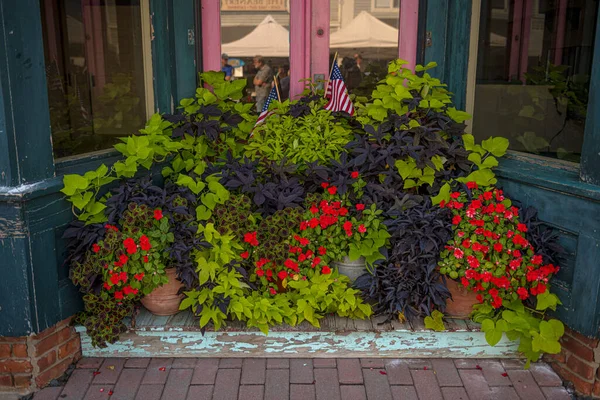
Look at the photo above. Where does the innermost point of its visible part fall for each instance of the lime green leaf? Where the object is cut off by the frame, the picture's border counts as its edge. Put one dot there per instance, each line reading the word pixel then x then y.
pixel 444 194
pixel 496 145
pixel 72 183
pixel 435 322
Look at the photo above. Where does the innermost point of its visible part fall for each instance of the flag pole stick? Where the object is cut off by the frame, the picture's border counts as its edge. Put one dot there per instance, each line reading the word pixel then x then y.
pixel 277 89
pixel 330 71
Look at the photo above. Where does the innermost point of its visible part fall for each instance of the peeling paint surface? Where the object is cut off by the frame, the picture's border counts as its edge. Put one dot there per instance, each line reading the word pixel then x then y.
pixel 396 344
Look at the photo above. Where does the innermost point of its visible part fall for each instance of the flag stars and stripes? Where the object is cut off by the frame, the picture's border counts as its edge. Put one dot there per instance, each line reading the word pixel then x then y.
pixel 337 93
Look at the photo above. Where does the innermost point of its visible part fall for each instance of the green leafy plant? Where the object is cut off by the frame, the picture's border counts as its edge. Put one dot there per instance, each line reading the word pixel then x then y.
pixel 434 321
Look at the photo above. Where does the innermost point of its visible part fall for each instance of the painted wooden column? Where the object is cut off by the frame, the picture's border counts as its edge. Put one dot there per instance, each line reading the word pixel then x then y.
pixel 559 31
pixel 319 39
pixel 408 31
pixel 590 153
pixel 211 35
pixel 299 43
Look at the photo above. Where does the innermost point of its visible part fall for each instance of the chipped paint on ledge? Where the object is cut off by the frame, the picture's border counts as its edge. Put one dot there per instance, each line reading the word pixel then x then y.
pixel 396 344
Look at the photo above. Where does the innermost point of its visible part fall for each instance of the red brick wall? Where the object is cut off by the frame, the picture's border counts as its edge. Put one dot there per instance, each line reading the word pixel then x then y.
pixel 579 362
pixel 30 362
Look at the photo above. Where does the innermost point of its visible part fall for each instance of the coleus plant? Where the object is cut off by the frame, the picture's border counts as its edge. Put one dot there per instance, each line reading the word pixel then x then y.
pixel 490 254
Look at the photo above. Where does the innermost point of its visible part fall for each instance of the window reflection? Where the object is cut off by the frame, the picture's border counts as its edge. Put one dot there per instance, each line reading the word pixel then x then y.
pixel 95 72
pixel 364 35
pixel 534 61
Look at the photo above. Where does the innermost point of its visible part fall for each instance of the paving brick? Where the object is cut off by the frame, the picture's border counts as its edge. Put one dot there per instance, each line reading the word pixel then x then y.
pixel 372 363
pixel 301 371
pixel 157 371
pixel 327 385
pixel 513 363
pixel 205 371
pixel 446 373
pixel 78 383
pixel 277 363
pixel 230 363
pixel 109 371
pixel 150 392
pixel 525 385
pixel 49 393
pixel 349 371
pixel 454 393
pixel 475 384
pixel 137 363
pixel 544 375
pixel 90 362
pixel 300 392
pixel 200 392
pixel 227 384
pixel 492 372
pixel 184 363
pixel 277 385
pixel 404 393
pixel 98 392
pixel 398 372
pixel 376 384
pixel 177 384
pixel 466 363
pixel 503 393
pixel 556 393
pixel 253 371
pixel 418 363
pixel 353 392
pixel 426 384
pixel 128 384
pixel 324 363
pixel 251 392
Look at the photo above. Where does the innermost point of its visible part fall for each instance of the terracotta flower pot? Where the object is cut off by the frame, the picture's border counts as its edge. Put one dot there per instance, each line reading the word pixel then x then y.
pixel 352 269
pixel 164 300
pixel 462 301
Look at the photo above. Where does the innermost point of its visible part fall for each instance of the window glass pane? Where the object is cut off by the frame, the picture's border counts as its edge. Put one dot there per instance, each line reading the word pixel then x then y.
pixel 365 39
pixel 95 72
pixel 533 67
pixel 382 3
pixel 256 45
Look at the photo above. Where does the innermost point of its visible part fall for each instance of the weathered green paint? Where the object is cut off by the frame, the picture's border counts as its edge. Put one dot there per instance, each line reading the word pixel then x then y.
pixel 449 23
pixel 161 55
pixel 590 152
pixel 185 49
pixel 572 207
pixel 395 344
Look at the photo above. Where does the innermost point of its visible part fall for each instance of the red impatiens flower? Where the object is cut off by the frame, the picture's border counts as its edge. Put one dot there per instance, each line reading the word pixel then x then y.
pixel 145 243
pixel 537 260
pixel 260 272
pixel 303 225
pixel 291 265
pixel 119 295
pixel 139 276
pixel 107 286
pixel 324 185
pixel 122 260
pixel 245 255
pixel 304 241
pixel 456 219
pixel 129 290
pixel 325 270
pixel 472 185
pixel 347 225
pixel 315 262
pixel 488 195
pixel 455 195
pixel 361 228
pixel 332 190
pixel 282 275
pixel 497 302
pixel 145 258
pixel 114 279
pixel 314 209
pixel 464 281
pixel 522 292
pixel 479 298
pixel 111 228
pixel 313 223
pixel 360 206
pixel 272 291
pixel 322 250
pixel 539 289
pixel 95 248
pixel 130 246
pixel 250 237
pixel 522 227
pixel 158 214
pixel 354 174
pixel 498 247
pixel 458 253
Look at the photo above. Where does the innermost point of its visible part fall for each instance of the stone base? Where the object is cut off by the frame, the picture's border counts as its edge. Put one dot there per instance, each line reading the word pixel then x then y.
pixel 30 362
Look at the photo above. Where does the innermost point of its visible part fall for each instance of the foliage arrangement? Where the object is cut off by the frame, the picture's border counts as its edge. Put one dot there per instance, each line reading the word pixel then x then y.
pixel 254 224
pixel 490 254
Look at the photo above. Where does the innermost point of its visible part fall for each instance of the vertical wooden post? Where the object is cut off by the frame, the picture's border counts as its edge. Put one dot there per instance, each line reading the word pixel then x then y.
pixel 298 45
pixel 211 35
pixel 526 32
pixel 559 31
pixel 408 31
pixel 515 40
pixel 319 40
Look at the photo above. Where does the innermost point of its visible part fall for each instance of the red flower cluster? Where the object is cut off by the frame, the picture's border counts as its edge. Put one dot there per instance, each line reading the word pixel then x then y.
pixel 489 252
pixel 158 214
pixel 250 238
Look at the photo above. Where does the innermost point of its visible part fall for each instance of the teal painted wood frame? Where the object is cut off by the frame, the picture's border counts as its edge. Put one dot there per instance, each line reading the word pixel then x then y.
pixel 35 291
pixel 448 23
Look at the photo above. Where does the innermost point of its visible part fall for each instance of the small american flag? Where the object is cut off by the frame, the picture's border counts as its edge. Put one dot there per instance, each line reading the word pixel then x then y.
pixel 265 110
pixel 337 93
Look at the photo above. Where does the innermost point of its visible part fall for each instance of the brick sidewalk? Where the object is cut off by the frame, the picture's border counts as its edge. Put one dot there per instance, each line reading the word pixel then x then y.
pixel 305 379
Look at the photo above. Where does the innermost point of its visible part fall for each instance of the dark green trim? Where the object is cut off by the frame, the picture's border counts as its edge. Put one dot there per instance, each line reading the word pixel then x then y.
pixel 449 23
pixel 25 145
pixel 590 153
pixel 185 49
pixel 161 55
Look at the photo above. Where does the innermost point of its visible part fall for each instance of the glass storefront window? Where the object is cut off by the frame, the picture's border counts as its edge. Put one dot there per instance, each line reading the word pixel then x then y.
pixel 364 34
pixel 533 68
pixel 96 66
pixel 255 42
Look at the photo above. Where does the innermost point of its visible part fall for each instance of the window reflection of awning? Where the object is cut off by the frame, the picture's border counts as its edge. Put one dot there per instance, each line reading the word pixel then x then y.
pixel 268 39
pixel 364 31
